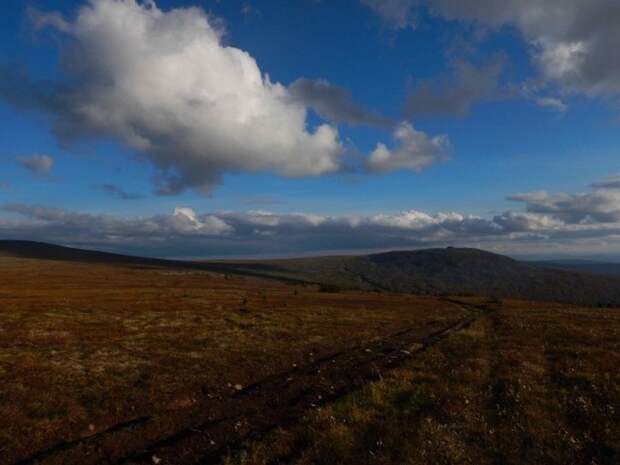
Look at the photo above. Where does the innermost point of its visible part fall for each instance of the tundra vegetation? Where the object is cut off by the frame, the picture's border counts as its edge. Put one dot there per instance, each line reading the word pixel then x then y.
pixel 133 362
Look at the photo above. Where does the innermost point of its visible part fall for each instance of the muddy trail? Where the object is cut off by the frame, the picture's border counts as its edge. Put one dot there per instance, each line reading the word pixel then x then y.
pixel 217 424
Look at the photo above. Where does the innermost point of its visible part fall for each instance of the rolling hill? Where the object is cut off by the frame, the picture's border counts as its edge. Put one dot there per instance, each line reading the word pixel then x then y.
pixel 449 271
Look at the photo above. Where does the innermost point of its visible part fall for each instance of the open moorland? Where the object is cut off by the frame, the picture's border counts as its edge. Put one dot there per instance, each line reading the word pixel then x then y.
pixel 135 362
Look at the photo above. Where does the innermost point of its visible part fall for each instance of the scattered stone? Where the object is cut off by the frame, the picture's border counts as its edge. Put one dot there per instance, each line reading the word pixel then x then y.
pixel 238 387
pixel 155 459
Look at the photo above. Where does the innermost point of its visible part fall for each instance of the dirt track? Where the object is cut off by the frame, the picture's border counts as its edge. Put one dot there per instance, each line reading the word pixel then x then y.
pixel 205 431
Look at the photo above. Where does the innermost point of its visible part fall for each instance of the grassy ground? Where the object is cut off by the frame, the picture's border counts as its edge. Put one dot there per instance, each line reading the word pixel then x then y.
pixel 526 384
pixel 85 346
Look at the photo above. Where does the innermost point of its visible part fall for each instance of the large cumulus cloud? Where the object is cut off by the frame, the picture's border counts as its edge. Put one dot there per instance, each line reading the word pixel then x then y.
pixel 165 84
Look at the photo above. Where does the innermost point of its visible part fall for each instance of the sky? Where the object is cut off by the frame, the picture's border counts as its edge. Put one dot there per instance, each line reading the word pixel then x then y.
pixel 205 128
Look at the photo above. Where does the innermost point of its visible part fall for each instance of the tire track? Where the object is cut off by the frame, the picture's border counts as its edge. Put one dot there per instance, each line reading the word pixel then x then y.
pixel 274 401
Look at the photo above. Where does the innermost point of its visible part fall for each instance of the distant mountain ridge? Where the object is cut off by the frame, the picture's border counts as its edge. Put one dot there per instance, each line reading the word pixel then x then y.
pixel 449 271
pixel 585 266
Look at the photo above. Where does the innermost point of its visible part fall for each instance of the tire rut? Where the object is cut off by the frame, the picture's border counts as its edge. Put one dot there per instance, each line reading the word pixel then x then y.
pixel 212 429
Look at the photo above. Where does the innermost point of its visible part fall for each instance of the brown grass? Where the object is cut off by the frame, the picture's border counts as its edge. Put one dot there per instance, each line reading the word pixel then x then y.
pixel 86 346
pixel 526 384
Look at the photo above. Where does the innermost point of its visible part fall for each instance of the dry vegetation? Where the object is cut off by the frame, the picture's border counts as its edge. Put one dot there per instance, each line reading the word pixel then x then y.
pixel 84 347
pixel 525 384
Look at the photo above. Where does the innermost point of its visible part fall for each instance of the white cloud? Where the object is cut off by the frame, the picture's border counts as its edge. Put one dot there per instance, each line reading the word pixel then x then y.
pixel 108 228
pixel 602 205
pixel 552 222
pixel 165 84
pixel 395 13
pixel 414 151
pixel 185 220
pixel 573 41
pixel 527 222
pixel 39 165
pixel 552 103
pixel 609 182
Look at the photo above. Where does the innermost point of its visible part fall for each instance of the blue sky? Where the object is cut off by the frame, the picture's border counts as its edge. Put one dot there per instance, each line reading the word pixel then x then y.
pixel 503 141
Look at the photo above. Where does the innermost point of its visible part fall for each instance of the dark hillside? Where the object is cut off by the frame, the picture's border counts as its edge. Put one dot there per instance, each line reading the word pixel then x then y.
pixel 475 272
pixel 449 271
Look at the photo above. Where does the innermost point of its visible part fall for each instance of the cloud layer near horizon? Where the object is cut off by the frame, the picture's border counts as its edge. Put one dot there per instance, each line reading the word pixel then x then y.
pixel 553 222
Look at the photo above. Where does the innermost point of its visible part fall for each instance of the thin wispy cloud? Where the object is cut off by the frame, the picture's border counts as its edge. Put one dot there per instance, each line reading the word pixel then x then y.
pixel 396 14
pixel 250 11
pixel 38 165
pixel 334 103
pixel 552 103
pixel 115 191
pixel 455 94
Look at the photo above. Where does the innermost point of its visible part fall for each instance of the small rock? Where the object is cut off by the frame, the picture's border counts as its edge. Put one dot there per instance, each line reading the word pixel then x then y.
pixel 238 387
pixel 155 459
pixel 91 427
